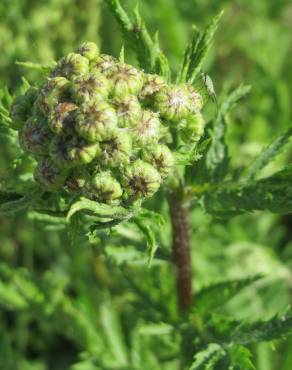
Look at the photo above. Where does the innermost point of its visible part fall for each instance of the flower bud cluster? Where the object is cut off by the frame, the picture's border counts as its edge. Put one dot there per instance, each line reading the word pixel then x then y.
pixel 102 128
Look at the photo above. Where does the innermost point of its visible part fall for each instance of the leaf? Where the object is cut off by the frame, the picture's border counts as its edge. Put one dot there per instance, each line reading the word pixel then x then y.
pixel 113 333
pixel 149 235
pixel 217 160
pixel 148 51
pixel 196 51
pixel 273 193
pixel 269 154
pixel 275 328
pixel 205 359
pixel 102 211
pixel 240 358
pixel 10 207
pixel 220 293
pixel 44 68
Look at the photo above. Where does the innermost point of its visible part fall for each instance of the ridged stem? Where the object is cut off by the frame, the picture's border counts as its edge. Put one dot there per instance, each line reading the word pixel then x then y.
pixel 181 255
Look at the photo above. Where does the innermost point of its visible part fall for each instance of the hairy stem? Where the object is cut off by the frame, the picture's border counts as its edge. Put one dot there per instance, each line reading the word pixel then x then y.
pixel 181 255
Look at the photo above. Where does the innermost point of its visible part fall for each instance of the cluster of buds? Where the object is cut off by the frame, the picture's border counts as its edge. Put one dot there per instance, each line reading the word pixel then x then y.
pixel 103 129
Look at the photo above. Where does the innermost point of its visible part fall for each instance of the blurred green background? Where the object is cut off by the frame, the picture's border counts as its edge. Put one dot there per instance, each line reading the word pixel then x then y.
pixel 74 306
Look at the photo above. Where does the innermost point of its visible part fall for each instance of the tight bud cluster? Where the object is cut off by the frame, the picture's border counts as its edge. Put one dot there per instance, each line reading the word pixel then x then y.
pixel 103 129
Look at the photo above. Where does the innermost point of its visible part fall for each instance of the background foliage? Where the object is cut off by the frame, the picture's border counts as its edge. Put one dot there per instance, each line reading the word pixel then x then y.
pixel 66 305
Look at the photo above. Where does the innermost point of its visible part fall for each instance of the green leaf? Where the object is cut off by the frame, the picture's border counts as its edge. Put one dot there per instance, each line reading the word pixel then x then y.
pixel 113 333
pixel 275 328
pixel 240 358
pixel 273 193
pixel 220 293
pixel 99 210
pixel 44 68
pixel 22 203
pixel 149 235
pixel 217 160
pixel 207 359
pixel 268 154
pixel 147 49
pixel 196 51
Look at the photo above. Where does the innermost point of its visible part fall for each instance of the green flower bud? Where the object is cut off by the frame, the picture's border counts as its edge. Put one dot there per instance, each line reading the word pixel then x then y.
pixel 126 80
pixel 88 50
pixel 196 99
pixel 77 180
pixel 128 110
pixel 71 65
pixel 48 175
pixel 51 94
pixel 105 188
pixel 62 117
pixel 106 64
pixel 147 129
pixel 21 108
pixel 192 128
pixel 173 102
pixel 115 149
pixel 94 120
pixel 161 158
pixel 35 136
pixel 70 151
pixel 88 86
pixel 141 180
pixel 152 85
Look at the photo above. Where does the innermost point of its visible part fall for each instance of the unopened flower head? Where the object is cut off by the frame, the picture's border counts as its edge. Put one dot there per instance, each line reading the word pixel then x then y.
pixel 104 129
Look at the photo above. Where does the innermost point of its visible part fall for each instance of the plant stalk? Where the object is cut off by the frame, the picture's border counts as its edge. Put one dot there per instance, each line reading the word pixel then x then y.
pixel 181 255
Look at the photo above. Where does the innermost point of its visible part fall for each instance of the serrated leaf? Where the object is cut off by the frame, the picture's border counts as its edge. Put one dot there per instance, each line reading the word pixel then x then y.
pixel 147 49
pixel 220 293
pixel 99 210
pixel 10 207
pixel 206 359
pixel 268 154
pixel 240 358
pixel 273 193
pixel 196 51
pixel 275 328
pixel 217 159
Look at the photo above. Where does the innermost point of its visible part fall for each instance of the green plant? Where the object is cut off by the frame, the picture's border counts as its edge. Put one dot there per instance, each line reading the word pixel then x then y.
pixel 200 175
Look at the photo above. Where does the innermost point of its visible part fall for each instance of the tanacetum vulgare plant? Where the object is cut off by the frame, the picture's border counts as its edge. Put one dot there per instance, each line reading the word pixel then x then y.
pixel 104 136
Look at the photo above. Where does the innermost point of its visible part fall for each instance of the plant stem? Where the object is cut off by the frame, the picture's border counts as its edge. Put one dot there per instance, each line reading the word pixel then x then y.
pixel 181 255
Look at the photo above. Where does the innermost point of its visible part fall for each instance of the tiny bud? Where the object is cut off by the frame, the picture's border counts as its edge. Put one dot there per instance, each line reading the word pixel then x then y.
pixel 116 148
pixel 173 103
pixel 106 64
pixel 152 84
pixel 89 86
pixel 105 188
pixel 35 136
pixel 196 99
pixel 21 108
pixel 62 117
pixel 94 120
pixel 147 129
pixel 48 175
pixel 161 158
pixel 51 94
pixel 126 80
pixel 71 65
pixel 192 127
pixel 128 110
pixel 70 151
pixel 88 50
pixel 141 180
